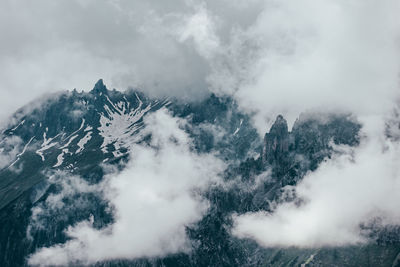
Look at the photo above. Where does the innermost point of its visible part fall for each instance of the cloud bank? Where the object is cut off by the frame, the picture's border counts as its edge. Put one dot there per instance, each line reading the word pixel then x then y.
pixel 271 56
pixel 153 199
pixel 330 55
pixel 162 48
pixel 355 187
pixel 10 148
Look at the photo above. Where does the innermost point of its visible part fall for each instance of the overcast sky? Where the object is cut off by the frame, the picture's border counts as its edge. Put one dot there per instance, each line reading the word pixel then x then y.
pixel 272 56
pixel 163 47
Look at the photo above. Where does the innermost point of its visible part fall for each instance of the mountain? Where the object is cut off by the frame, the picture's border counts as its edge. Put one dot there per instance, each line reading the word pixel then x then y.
pixel 80 133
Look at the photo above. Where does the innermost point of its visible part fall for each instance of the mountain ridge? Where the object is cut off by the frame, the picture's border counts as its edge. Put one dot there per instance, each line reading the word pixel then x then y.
pixel 77 133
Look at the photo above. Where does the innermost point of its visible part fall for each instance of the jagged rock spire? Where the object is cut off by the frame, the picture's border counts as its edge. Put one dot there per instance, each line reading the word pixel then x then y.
pixel 99 87
pixel 276 142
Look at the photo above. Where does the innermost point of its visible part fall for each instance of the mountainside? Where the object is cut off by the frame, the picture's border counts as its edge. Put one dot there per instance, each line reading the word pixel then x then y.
pixel 85 135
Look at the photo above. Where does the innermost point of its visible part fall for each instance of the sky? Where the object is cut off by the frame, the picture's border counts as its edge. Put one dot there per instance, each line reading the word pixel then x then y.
pixel 162 47
pixel 273 57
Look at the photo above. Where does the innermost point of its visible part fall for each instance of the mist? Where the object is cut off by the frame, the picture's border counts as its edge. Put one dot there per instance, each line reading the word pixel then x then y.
pixel 153 200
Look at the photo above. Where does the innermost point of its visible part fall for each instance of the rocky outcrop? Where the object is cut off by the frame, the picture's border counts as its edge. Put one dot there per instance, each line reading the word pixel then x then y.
pixel 292 154
pixel 99 87
pixel 276 142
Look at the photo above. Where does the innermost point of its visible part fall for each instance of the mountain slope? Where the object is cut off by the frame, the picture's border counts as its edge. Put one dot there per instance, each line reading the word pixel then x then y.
pixel 77 134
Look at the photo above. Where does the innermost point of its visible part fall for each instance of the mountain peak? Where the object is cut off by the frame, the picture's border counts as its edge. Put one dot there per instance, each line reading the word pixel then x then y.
pixel 276 142
pixel 279 122
pixel 99 87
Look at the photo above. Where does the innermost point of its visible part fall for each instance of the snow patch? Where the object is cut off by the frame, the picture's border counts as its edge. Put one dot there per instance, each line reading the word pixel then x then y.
pixel 19 124
pixel 60 158
pixel 46 144
pixel 80 128
pixel 118 125
pixel 83 142
pixel 69 141
pixel 20 154
pixel 309 260
pixel 88 128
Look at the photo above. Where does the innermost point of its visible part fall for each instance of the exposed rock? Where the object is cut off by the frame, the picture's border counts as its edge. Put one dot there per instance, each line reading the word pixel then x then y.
pixel 276 142
pixel 99 87
pixel 292 154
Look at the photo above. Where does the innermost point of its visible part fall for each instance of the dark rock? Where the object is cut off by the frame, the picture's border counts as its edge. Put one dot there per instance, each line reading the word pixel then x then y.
pixel 276 142
pixel 99 87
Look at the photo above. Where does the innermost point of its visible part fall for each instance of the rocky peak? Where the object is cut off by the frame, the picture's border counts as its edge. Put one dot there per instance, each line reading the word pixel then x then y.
pixel 99 87
pixel 276 142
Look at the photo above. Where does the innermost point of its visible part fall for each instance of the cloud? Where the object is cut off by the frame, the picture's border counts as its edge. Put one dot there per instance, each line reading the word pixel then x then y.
pixel 314 55
pixel 10 148
pixel 153 199
pixel 330 56
pixel 271 56
pixel 164 49
pixel 69 187
pixel 200 27
pixel 355 187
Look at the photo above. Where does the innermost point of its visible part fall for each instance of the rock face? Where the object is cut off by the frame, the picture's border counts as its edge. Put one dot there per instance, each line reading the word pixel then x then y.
pixel 291 154
pixel 276 142
pixel 99 87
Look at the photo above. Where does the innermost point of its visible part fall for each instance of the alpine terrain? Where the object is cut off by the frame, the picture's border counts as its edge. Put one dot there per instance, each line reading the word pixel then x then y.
pixel 57 157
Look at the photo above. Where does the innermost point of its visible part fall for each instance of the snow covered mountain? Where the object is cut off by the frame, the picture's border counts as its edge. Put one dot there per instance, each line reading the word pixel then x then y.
pixel 68 130
pixel 81 133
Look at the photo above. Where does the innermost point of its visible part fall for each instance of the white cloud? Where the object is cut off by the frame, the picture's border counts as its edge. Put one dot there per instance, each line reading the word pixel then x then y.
pixel 272 56
pixel 200 27
pixel 153 199
pixel 163 48
pixel 326 55
pixel 70 187
pixel 354 187
pixel 10 148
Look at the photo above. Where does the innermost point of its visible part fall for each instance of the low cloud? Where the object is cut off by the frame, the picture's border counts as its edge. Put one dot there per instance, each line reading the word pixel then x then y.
pixel 69 188
pixel 10 148
pixel 271 56
pixel 355 187
pixel 313 55
pixel 163 49
pixel 153 199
